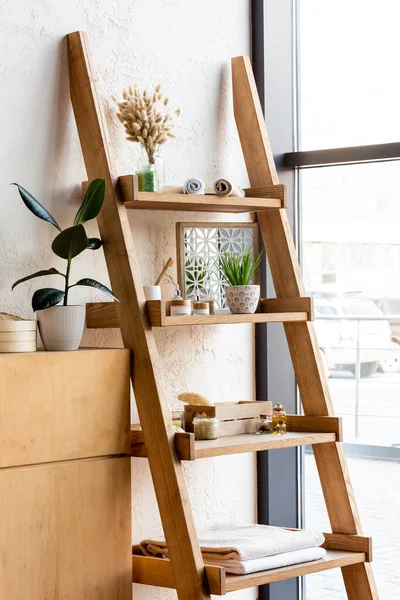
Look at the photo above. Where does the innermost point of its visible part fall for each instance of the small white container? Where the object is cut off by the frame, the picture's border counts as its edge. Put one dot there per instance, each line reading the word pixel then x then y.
pixel 152 292
pixel 180 308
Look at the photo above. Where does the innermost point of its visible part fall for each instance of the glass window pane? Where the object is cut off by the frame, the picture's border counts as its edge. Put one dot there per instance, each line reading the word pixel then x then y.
pixel 349 83
pixel 350 230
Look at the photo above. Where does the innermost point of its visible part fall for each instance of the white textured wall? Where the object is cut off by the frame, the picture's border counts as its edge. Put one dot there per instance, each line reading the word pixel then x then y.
pixel 185 45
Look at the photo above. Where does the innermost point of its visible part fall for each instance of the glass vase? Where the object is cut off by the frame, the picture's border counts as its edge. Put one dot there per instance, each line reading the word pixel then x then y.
pixel 150 173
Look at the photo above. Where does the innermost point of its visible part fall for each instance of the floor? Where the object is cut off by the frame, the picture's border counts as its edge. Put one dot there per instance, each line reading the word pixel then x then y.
pixel 377 488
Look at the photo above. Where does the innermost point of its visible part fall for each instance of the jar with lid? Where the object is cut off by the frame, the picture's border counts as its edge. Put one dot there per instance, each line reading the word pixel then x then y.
pixel 205 428
pixel 264 424
pixel 200 308
pixel 279 419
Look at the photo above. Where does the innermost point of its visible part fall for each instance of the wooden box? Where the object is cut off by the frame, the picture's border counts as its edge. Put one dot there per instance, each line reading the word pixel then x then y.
pixel 235 417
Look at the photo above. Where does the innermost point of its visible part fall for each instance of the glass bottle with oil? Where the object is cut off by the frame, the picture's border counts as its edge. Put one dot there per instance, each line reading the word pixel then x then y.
pixel 279 419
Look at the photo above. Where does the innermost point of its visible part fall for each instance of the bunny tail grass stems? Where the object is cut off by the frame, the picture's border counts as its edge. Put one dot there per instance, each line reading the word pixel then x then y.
pixel 238 269
pixel 145 119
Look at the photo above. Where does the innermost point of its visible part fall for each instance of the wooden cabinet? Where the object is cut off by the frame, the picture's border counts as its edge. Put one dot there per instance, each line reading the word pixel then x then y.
pixel 65 493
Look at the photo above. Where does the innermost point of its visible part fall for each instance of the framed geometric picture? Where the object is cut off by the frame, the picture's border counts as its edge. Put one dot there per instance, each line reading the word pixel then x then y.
pixel 199 248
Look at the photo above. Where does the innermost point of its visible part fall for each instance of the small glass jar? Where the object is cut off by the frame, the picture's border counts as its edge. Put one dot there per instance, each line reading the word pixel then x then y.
pixel 206 428
pixel 264 424
pixel 279 419
pixel 201 307
pixel 180 308
pixel 177 418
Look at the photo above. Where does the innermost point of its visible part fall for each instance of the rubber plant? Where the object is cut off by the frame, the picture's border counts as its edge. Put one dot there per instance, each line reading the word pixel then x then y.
pixel 68 244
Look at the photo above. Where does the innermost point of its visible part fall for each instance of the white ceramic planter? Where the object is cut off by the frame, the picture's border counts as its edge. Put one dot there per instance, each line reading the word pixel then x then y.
pixel 242 299
pixel 61 327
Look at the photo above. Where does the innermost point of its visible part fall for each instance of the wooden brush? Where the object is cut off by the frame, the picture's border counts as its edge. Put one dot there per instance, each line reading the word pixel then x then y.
pixel 167 265
pixel 194 399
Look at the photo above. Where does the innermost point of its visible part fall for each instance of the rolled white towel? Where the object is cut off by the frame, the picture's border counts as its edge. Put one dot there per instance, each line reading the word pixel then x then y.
pixel 223 187
pixel 194 186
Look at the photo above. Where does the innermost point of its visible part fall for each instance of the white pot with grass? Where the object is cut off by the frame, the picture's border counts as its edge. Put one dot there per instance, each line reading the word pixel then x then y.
pixel 242 296
pixel 61 326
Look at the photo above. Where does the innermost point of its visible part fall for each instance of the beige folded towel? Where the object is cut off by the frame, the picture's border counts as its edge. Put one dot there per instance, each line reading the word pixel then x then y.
pixel 245 542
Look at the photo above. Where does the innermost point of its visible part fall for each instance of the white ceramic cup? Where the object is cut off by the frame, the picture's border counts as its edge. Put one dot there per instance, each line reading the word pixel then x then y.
pixel 152 292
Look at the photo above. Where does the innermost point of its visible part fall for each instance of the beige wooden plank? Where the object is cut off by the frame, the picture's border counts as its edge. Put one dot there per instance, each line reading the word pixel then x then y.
pixel 301 337
pixel 333 559
pixel 359 582
pixel 276 305
pixel 104 315
pixel 318 424
pixel 352 543
pixel 188 449
pixel 158 572
pixel 64 405
pixel 123 268
pixel 65 531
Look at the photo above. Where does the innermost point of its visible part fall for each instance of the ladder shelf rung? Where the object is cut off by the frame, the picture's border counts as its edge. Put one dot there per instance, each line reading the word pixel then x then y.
pixel 272 310
pixel 158 572
pixel 302 431
pixel 256 199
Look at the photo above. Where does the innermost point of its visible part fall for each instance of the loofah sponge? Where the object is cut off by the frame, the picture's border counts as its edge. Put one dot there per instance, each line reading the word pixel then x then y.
pixel 194 399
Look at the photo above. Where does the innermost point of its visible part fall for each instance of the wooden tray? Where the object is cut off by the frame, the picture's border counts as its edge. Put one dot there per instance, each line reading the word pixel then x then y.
pixel 235 418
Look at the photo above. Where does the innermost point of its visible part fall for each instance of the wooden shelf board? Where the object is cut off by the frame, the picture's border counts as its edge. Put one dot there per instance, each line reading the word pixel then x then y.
pixel 158 572
pixel 332 560
pixel 223 317
pixel 284 310
pixel 257 199
pixel 302 430
pixel 189 203
pixel 250 442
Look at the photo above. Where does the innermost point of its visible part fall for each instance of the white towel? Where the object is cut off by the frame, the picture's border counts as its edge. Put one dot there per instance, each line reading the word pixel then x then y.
pixel 243 542
pixel 195 186
pixel 242 567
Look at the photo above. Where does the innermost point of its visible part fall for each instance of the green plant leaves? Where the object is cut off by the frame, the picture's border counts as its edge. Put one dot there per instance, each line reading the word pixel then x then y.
pixel 92 202
pixel 238 269
pixel 95 284
pixel 35 207
pixel 94 243
pixel 46 297
pixel 70 242
pixel 51 271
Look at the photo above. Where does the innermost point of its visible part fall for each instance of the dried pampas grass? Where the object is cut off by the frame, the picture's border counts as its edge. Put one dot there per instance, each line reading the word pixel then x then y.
pixel 144 118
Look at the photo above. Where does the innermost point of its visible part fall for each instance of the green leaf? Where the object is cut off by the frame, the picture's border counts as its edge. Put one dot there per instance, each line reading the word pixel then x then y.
pixel 92 202
pixel 51 271
pixel 238 269
pixel 70 242
pixel 46 297
pixel 94 243
pixel 95 284
pixel 35 207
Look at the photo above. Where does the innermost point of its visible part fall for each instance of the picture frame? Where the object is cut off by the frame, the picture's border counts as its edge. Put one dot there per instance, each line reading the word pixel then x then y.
pixel 199 246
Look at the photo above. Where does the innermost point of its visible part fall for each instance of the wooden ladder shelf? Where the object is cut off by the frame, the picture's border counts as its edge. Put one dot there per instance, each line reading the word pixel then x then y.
pixel 156 440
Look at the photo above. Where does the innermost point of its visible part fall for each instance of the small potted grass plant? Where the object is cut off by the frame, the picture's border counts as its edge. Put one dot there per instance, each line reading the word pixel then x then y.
pixel 238 269
pixel 61 325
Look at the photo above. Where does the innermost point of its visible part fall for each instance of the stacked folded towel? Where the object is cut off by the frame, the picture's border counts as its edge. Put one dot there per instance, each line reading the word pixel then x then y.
pixel 250 548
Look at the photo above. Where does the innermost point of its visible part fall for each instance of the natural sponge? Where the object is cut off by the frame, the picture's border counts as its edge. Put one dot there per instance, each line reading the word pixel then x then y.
pixel 194 399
